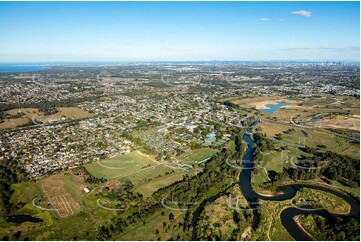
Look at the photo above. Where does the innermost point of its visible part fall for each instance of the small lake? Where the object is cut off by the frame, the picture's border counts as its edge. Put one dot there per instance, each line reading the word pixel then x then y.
pixel 23 218
pixel 274 107
pixel 21 68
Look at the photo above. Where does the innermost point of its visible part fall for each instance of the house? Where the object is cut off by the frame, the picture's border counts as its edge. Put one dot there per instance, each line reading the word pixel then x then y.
pixel 227 136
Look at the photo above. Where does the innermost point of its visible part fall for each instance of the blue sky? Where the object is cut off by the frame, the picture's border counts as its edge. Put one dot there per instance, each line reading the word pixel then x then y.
pixel 157 31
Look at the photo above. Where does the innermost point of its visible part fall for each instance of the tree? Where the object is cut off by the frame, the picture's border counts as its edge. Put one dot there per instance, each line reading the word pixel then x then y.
pixel 171 217
pixel 128 184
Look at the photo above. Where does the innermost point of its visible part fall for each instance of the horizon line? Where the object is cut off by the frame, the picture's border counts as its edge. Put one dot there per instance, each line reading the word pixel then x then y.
pixel 161 61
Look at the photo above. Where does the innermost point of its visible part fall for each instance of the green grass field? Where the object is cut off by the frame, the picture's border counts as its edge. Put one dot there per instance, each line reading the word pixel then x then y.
pixel 24 192
pixel 314 138
pixel 325 200
pixel 353 190
pixel 333 143
pixel 53 227
pixel 276 161
pixel 147 174
pixel 147 188
pixel 241 111
pixel 230 145
pixel 121 166
pixel 147 231
pixel 197 155
pixel 287 114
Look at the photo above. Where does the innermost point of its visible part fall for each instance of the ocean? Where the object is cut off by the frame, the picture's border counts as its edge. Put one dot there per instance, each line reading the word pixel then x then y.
pixel 21 68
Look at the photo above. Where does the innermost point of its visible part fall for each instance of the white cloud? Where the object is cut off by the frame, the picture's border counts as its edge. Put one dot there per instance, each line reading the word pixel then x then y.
pixel 302 13
pixel 264 19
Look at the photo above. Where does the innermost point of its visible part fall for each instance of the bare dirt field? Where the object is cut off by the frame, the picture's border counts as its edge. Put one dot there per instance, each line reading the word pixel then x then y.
pixel 339 122
pixel 62 192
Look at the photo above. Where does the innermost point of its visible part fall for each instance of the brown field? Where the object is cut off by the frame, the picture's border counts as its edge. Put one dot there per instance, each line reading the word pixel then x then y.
pixel 64 204
pixel 34 114
pixel 297 106
pixel 62 192
pixel 12 123
pixel 339 122
pixel 287 114
pixel 271 129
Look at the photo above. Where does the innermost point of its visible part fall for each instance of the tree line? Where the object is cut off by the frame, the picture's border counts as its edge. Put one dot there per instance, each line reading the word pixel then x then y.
pixel 190 190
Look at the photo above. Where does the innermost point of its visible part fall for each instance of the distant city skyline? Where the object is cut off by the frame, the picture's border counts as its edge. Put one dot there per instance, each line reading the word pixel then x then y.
pixel 179 31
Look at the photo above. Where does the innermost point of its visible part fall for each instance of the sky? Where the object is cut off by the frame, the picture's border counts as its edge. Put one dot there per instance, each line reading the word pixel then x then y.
pixel 179 31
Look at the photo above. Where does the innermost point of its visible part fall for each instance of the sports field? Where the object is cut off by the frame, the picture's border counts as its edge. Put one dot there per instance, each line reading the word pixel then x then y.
pixel 146 173
pixel 197 155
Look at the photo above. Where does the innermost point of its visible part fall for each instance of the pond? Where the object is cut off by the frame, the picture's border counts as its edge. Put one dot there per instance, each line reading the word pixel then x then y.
pixel 274 107
pixel 23 218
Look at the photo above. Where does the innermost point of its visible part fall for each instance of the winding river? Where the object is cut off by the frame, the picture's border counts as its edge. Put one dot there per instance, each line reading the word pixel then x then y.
pixel 283 193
